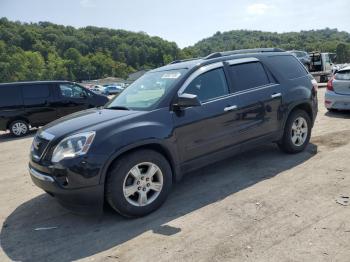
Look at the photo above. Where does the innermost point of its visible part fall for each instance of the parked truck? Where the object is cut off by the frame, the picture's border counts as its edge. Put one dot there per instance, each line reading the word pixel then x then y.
pixel 321 65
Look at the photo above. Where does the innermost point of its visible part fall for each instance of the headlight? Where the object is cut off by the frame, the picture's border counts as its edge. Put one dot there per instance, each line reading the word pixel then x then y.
pixel 72 146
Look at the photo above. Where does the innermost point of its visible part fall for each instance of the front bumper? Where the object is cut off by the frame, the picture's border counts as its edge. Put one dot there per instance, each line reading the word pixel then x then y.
pixel 85 200
pixel 337 101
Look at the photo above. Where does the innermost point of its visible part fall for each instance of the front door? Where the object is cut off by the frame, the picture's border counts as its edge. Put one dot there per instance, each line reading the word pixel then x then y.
pixel 72 98
pixel 207 128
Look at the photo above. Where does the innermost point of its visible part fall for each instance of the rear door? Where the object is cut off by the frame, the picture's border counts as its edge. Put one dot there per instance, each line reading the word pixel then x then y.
pixel 341 82
pixel 37 100
pixel 207 128
pixel 258 97
pixel 71 98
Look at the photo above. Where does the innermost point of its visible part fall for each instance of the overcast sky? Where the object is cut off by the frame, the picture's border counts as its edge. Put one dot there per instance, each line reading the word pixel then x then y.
pixel 184 21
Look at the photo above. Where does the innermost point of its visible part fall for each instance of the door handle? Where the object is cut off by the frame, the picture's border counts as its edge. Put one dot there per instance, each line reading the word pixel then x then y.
pixel 230 108
pixel 276 95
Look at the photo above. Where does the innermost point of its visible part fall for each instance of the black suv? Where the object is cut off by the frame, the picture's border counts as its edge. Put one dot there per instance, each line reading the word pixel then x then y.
pixel 172 120
pixel 24 104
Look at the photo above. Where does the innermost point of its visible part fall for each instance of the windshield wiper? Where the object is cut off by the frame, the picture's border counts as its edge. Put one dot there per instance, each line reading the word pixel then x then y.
pixel 118 108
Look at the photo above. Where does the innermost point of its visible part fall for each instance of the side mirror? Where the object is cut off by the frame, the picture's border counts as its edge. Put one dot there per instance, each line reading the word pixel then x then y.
pixel 187 100
pixel 83 95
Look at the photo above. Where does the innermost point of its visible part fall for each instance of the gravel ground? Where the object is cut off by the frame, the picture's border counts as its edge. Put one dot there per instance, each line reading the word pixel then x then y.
pixel 262 205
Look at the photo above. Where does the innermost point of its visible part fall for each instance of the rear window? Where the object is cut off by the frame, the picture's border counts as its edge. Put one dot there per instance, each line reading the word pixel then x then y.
pixel 289 66
pixel 10 96
pixel 246 76
pixel 343 75
pixel 35 91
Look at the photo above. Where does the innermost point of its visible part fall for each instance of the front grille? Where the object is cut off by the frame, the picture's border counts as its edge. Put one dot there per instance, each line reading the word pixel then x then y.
pixel 38 147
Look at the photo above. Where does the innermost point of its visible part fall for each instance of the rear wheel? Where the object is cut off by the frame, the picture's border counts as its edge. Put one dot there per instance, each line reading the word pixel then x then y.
pixel 19 128
pixel 139 183
pixel 297 132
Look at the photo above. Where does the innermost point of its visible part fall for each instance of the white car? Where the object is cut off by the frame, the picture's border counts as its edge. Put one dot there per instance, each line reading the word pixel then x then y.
pixel 338 90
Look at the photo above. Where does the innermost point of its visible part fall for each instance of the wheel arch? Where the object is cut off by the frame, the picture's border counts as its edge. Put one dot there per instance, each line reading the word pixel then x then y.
pixel 151 145
pixel 11 120
pixel 305 106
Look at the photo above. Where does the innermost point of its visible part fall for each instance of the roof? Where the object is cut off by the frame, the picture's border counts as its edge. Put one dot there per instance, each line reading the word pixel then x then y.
pixel 35 82
pixel 134 76
pixel 180 65
pixel 218 57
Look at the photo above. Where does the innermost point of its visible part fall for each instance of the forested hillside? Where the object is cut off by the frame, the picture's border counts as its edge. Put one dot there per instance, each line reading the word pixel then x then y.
pixel 48 51
pixel 44 51
pixel 326 40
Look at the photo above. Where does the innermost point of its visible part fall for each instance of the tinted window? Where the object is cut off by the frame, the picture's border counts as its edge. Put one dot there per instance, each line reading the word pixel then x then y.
pixel 343 75
pixel 246 76
pixel 289 66
pixel 209 85
pixel 72 91
pixel 35 91
pixel 10 96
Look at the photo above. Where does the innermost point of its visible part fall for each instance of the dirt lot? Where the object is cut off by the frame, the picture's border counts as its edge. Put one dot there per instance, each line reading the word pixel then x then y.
pixel 260 206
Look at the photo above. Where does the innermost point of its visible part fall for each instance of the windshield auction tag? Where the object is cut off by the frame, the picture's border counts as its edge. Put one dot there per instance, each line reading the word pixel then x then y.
pixel 171 75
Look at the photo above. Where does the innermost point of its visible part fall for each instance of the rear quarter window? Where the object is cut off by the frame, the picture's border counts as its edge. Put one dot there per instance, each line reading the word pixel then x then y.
pixel 342 75
pixel 10 96
pixel 289 66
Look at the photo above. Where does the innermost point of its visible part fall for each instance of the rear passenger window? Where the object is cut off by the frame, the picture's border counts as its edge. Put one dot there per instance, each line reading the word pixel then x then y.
pixel 35 91
pixel 249 75
pixel 289 66
pixel 10 96
pixel 209 85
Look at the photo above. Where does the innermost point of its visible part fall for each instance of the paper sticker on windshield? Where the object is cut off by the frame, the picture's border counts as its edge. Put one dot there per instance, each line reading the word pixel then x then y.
pixel 171 75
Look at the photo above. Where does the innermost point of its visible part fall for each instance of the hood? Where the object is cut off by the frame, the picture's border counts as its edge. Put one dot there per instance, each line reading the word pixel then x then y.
pixel 85 120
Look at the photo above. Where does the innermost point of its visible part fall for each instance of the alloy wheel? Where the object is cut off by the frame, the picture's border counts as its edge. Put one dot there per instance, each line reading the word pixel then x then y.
pixel 299 131
pixel 143 184
pixel 19 128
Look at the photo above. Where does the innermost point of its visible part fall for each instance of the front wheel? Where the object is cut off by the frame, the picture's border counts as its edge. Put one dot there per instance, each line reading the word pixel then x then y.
pixel 138 183
pixel 297 132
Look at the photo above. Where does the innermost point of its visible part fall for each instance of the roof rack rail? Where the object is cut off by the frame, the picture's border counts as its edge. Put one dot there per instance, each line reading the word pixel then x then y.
pixel 243 51
pixel 184 60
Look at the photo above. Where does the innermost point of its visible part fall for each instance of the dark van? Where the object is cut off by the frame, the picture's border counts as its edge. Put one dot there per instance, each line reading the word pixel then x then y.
pixel 34 104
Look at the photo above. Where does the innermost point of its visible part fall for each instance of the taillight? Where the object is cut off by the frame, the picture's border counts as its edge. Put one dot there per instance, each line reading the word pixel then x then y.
pixel 330 85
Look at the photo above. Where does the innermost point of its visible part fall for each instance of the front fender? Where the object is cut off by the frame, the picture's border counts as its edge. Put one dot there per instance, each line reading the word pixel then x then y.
pixel 170 152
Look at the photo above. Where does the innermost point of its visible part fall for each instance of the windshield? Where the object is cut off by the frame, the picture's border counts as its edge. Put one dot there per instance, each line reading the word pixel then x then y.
pixel 146 91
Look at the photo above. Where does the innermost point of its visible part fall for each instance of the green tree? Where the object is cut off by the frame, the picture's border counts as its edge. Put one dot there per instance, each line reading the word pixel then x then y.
pixel 35 65
pixel 48 51
pixel 55 68
pixel 343 53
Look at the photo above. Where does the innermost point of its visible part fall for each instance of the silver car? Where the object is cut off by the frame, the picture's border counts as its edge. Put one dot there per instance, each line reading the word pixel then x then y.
pixel 338 90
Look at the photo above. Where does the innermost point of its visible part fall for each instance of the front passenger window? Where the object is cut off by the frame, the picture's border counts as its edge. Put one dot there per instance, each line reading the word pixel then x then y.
pixel 209 85
pixel 72 91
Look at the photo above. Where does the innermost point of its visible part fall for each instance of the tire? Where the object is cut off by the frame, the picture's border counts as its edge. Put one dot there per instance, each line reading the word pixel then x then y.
pixel 289 143
pixel 122 176
pixel 19 128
